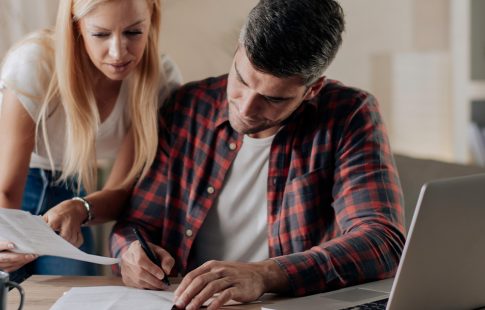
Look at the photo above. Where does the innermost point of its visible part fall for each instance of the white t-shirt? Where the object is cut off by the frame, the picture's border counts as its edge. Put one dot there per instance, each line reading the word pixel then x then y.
pixel 28 70
pixel 235 228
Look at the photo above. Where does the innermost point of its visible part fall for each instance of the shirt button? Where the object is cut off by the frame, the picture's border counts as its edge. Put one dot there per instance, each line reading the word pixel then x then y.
pixel 189 233
pixel 211 190
pixel 232 146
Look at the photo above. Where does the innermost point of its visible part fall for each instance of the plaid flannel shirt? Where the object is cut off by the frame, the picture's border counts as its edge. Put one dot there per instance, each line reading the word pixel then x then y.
pixel 335 215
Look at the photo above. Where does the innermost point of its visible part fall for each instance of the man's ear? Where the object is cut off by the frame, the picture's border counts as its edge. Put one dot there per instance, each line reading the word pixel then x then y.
pixel 315 88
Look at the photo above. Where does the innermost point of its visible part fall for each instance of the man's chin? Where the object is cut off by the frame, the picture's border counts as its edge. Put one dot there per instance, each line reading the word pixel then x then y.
pixel 256 132
pixel 246 130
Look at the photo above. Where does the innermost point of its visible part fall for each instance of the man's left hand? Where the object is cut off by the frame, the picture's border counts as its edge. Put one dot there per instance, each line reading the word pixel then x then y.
pixel 242 282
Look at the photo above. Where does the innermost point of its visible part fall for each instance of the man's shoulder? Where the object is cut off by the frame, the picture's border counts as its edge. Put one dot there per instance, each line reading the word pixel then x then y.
pixel 337 91
pixel 203 97
pixel 337 104
pixel 342 101
pixel 212 86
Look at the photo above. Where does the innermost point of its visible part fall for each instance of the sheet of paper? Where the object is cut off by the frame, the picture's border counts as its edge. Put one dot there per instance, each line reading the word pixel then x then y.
pixel 31 234
pixel 120 298
pixel 113 298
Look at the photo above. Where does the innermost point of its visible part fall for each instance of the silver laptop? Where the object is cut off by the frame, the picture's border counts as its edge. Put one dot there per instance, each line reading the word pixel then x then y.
pixel 443 262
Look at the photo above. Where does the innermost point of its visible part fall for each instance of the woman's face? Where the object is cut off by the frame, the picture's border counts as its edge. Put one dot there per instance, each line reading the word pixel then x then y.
pixel 115 35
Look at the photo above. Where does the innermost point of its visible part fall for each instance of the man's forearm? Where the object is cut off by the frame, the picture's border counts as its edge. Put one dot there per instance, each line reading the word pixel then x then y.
pixel 362 255
pixel 275 278
pixel 121 238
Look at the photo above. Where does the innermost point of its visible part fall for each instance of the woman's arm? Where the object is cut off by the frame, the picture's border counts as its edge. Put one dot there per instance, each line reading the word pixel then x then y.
pixel 17 138
pixel 106 204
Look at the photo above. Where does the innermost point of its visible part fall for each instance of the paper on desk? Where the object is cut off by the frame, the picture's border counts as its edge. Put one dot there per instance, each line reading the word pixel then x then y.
pixel 31 234
pixel 113 298
pixel 119 298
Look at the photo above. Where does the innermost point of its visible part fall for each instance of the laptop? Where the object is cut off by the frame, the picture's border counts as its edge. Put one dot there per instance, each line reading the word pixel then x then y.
pixel 443 261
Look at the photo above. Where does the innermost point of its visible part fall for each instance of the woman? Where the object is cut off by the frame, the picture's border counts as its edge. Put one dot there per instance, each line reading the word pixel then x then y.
pixel 88 91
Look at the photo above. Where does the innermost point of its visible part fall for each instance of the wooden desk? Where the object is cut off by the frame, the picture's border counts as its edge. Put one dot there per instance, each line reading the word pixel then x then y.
pixel 41 292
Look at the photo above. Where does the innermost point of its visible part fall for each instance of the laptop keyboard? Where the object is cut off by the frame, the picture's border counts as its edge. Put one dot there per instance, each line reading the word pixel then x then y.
pixel 378 304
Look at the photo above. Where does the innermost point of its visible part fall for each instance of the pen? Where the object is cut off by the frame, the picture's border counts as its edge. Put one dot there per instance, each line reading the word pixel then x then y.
pixel 149 253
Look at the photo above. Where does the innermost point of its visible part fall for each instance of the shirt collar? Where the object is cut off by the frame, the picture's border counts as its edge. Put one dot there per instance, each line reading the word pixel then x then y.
pixel 222 113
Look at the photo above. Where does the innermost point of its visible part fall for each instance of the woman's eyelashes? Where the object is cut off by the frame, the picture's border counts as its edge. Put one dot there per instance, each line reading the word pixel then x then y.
pixel 100 34
pixel 127 33
pixel 133 33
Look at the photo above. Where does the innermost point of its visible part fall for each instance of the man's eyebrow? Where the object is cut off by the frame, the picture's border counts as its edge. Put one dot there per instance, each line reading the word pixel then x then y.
pixel 239 77
pixel 272 98
pixel 132 25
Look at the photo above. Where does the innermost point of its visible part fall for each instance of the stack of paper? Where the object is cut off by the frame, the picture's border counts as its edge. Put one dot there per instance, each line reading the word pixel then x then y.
pixel 31 234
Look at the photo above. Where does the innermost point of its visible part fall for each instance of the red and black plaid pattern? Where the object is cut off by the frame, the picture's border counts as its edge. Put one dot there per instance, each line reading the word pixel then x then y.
pixel 335 214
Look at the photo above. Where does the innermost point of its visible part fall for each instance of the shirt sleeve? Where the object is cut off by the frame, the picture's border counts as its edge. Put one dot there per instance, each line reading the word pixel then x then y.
pixel 367 200
pixel 27 71
pixel 147 201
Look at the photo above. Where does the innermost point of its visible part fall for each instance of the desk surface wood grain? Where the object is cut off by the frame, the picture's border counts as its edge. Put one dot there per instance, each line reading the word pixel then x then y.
pixel 41 292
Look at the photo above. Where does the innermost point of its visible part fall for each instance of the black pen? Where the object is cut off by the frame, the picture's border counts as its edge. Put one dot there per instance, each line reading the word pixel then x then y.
pixel 149 253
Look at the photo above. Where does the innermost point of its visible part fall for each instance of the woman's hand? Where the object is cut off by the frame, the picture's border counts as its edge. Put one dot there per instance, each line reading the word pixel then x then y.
pixel 66 218
pixel 10 261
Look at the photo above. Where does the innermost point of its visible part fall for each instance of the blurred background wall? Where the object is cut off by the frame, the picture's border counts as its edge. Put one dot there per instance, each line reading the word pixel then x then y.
pixel 413 55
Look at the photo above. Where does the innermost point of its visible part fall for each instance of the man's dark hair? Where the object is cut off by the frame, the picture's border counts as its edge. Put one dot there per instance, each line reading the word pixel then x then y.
pixel 293 37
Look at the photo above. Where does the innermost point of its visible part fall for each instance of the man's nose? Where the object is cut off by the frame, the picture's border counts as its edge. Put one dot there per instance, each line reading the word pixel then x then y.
pixel 248 106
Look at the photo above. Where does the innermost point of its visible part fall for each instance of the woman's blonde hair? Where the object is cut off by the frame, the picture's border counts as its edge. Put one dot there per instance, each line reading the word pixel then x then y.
pixel 72 87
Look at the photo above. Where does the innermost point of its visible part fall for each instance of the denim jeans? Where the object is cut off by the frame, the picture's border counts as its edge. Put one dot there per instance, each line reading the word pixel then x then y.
pixel 42 193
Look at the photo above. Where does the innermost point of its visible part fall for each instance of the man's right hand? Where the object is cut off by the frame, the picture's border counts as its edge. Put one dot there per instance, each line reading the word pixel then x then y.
pixel 137 270
pixel 10 261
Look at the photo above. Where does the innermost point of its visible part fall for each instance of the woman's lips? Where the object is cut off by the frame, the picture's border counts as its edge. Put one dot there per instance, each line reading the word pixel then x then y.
pixel 119 67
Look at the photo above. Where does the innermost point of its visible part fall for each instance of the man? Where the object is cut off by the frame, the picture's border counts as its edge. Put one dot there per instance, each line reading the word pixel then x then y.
pixel 270 179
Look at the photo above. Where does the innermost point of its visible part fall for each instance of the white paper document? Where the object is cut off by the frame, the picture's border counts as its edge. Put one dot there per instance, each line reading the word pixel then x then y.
pixel 31 234
pixel 120 298
pixel 114 298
